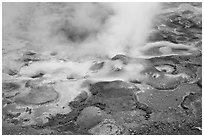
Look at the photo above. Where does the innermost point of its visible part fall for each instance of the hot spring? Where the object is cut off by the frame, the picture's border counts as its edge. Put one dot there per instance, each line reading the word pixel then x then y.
pixel 54 52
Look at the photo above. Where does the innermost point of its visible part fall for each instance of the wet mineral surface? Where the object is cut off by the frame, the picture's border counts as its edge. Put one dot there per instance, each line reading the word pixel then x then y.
pixel 167 100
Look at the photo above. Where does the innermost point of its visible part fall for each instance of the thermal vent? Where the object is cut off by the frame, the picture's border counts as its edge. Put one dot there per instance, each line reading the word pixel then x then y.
pixel 102 68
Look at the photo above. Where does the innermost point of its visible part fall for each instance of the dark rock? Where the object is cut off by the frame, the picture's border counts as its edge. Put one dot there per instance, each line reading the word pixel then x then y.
pixel 170 65
pixel 33 83
pixel 189 99
pixel 131 119
pixel 28 59
pixel 164 99
pixel 7 87
pixel 122 58
pixel 38 96
pixel 30 56
pixel 200 83
pixel 12 72
pixel 38 75
pixel 113 89
pixel 113 96
pixel 77 103
pixel 11 116
pixel 155 36
pixel 81 97
pixel 162 80
pixel 89 117
pixel 107 127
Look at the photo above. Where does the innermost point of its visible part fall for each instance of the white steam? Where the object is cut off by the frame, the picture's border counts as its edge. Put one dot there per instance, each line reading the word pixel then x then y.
pixel 75 30
pixel 129 28
pixel 79 29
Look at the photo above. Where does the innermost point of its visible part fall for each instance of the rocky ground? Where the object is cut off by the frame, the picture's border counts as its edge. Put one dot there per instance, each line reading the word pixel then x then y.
pixel 167 101
pixel 168 105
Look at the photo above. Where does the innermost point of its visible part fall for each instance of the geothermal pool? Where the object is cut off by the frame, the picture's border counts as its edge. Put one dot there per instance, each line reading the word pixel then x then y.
pixel 102 68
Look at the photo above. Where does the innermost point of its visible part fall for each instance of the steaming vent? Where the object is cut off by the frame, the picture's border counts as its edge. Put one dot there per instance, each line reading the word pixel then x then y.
pixel 56 51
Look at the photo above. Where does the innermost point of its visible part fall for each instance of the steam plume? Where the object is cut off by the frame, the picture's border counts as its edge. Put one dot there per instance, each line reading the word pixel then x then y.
pixel 80 29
